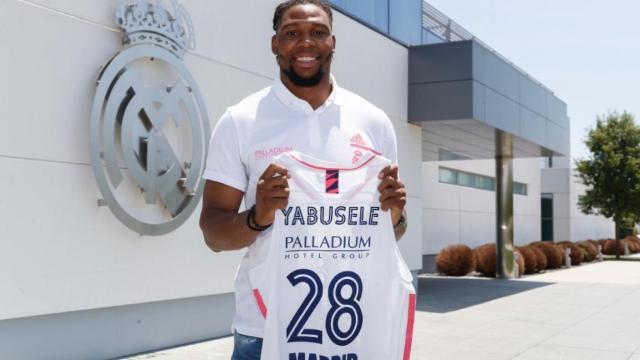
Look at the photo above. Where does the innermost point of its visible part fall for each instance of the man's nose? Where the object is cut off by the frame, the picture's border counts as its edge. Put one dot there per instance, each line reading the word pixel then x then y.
pixel 307 41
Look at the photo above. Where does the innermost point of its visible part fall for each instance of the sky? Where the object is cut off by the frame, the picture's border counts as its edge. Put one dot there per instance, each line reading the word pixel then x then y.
pixel 586 51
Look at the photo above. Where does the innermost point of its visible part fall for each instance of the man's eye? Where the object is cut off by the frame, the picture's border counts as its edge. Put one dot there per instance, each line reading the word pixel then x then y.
pixel 291 33
pixel 319 33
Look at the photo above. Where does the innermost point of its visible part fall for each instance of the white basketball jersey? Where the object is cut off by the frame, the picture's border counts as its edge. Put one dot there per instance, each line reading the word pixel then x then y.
pixel 334 286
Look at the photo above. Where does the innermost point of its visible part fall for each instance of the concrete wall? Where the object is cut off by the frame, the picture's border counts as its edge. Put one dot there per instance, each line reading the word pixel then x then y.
pixel 569 223
pixel 455 214
pixel 61 253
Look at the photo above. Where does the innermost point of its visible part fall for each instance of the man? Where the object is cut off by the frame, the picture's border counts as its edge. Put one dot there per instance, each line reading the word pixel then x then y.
pixel 304 110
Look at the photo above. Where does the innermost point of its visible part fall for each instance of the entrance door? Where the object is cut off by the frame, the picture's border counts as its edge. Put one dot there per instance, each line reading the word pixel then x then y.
pixel 547 216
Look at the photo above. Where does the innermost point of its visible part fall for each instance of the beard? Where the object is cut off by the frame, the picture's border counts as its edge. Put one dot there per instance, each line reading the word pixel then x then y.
pixel 301 81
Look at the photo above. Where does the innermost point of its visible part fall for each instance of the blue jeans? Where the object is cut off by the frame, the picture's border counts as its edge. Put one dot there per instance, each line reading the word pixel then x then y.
pixel 246 347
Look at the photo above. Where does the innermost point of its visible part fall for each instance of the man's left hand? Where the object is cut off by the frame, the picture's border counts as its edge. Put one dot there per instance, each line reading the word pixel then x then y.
pixel 392 192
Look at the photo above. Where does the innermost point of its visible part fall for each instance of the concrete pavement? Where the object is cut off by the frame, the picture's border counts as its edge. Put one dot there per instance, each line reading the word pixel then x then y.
pixel 586 312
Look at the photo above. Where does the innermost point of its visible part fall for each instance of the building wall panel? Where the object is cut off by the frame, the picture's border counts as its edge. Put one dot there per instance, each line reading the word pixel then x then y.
pixel 64 253
pixel 61 252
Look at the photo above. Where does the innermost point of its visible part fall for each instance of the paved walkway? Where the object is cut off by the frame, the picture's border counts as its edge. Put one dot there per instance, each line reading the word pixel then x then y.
pixel 586 312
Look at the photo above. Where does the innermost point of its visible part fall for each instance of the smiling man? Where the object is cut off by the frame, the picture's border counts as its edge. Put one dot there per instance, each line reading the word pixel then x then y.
pixel 304 110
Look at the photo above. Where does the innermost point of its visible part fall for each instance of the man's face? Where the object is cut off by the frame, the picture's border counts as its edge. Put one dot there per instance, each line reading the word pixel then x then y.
pixel 304 45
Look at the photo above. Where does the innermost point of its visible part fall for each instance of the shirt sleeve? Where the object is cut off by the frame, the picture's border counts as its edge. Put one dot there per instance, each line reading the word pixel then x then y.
pixel 390 150
pixel 224 158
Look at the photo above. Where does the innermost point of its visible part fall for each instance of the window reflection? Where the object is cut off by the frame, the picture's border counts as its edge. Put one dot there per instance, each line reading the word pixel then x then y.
pixel 373 12
pixel 463 178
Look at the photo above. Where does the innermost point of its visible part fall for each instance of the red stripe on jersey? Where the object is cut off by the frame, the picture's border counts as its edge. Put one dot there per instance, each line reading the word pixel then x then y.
pixel 261 305
pixel 409 334
pixel 331 181
pixel 373 156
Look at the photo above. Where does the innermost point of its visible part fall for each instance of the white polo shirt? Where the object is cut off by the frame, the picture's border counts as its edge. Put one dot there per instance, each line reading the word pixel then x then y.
pixel 273 121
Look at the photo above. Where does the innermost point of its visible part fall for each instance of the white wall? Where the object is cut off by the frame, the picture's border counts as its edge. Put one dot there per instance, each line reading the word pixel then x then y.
pixel 569 223
pixel 455 214
pixel 59 251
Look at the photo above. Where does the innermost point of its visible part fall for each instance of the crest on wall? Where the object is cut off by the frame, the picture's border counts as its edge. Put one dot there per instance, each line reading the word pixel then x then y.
pixel 149 124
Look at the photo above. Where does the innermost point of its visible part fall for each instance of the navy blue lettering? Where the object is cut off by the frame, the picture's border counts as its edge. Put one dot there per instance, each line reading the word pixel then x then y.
pixel 325 243
pixel 336 242
pixel 297 216
pixel 340 217
pixel 373 215
pixel 353 214
pixel 352 244
pixel 365 243
pixel 286 213
pixel 329 215
pixel 312 215
pixel 362 220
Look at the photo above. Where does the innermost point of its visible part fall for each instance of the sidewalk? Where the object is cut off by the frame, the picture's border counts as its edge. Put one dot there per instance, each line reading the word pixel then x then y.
pixel 586 312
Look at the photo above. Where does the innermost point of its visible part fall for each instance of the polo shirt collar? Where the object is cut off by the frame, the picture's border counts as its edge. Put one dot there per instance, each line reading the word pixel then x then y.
pixel 289 99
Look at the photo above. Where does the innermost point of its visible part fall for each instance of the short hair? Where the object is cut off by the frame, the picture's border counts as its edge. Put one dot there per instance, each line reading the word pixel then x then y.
pixel 286 5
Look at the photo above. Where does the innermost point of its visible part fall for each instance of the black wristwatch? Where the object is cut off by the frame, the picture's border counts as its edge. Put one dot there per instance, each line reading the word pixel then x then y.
pixel 401 222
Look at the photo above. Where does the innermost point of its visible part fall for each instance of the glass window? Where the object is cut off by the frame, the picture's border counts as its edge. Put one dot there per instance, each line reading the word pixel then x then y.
pixel 466 179
pixel 430 38
pixel 487 183
pixel 448 176
pixel 445 155
pixel 519 188
pixel 405 21
pixel 372 12
pixel 462 178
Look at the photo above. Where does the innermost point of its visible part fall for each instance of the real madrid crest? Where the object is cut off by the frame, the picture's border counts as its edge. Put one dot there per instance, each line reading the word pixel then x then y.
pixel 149 124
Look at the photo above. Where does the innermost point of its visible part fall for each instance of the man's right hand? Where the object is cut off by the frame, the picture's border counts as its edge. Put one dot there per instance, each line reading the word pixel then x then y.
pixel 272 194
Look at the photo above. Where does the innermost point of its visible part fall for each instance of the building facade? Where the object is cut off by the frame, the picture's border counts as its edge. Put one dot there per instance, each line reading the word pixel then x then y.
pixel 77 283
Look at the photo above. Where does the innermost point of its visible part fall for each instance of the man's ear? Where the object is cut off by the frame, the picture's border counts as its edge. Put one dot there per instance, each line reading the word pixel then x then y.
pixel 274 45
pixel 333 37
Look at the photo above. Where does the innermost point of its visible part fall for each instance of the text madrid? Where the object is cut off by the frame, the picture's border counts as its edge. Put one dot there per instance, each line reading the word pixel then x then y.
pixel 305 356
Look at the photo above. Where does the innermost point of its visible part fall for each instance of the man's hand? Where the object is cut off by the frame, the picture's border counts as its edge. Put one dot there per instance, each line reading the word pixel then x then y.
pixel 393 195
pixel 272 194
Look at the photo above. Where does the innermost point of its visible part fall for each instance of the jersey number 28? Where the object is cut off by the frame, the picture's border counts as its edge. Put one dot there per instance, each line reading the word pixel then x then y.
pixel 340 306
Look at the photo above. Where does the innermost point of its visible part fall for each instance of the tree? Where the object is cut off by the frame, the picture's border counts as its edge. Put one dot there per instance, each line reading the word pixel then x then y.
pixel 611 172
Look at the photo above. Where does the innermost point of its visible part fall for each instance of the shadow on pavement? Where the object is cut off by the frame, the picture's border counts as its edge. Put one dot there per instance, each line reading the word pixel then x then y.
pixel 445 294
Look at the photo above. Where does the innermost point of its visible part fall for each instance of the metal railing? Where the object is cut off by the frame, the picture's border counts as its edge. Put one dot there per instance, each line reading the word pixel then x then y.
pixel 442 26
pixel 439 24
